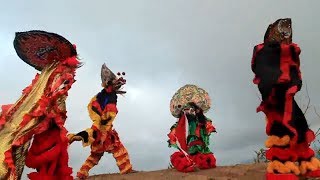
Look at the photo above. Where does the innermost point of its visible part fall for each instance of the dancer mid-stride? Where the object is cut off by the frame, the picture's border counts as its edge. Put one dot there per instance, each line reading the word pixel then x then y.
pixel 101 136
pixel 32 131
pixel 276 65
pixel 190 134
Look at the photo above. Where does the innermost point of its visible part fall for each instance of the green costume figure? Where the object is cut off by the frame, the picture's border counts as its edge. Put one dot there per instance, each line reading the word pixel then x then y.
pixel 190 134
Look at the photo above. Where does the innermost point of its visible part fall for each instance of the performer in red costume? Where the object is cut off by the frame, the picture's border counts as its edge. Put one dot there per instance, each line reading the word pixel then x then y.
pixel 190 135
pixel 40 112
pixel 276 65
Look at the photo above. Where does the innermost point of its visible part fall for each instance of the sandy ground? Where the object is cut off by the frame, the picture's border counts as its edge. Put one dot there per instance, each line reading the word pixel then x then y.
pixel 236 172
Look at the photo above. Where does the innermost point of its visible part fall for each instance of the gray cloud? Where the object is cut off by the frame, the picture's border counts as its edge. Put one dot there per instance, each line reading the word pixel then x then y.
pixel 162 45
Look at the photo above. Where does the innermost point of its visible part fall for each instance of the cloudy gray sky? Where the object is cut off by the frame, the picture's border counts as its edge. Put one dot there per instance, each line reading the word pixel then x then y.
pixel 162 45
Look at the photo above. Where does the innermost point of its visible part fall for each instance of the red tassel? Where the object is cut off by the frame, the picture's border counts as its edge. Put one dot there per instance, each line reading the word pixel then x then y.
pixel 73 62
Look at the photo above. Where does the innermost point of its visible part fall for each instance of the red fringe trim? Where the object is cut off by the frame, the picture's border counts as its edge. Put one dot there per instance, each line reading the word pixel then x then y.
pixel 181 162
pixel 9 160
pixel 310 136
pixel 204 161
pixel 300 151
pixel 4 110
pixel 312 174
pixel 271 176
pixel 9 112
pixel 281 154
pixel 303 151
pixel 288 113
pixel 29 88
pixel 72 62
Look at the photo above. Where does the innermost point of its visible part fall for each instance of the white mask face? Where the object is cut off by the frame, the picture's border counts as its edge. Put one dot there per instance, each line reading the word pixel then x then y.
pixel 283 29
pixel 189 111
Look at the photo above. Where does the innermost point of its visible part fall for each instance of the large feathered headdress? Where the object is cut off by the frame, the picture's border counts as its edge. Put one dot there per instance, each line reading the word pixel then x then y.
pixel 40 49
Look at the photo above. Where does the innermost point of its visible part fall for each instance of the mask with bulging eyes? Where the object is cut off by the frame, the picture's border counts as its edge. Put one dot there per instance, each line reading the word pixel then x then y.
pixel 109 79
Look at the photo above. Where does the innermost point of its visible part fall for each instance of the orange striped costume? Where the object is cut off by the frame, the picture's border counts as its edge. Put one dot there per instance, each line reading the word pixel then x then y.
pixel 101 136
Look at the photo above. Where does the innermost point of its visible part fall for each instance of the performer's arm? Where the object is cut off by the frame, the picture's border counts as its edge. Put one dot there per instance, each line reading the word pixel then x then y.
pixel 172 136
pixel 87 137
pixel 209 126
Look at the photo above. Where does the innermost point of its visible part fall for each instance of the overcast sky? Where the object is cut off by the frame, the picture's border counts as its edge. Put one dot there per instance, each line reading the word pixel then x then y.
pixel 163 45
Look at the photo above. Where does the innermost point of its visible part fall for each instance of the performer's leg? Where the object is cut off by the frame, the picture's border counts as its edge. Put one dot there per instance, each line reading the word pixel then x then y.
pixel 91 161
pixel 121 156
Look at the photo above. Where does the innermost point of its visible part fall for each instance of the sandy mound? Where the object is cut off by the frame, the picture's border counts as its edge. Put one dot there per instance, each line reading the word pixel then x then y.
pixel 236 172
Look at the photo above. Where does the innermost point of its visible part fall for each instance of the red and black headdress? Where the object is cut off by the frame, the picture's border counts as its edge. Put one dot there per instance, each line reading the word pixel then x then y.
pixel 40 48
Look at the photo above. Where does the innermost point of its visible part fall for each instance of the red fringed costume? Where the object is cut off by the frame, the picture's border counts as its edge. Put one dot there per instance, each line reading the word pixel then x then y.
pixel 190 135
pixel 40 112
pixel 276 65
pixel 101 137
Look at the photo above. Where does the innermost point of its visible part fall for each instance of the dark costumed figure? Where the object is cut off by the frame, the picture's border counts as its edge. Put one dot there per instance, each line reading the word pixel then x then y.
pixel 276 66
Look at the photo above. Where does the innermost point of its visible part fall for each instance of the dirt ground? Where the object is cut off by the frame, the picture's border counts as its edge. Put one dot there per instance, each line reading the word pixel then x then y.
pixel 236 172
